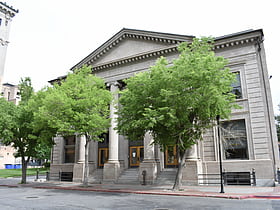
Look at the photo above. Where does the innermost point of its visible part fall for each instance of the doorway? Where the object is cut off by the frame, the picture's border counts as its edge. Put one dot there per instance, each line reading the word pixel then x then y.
pixel 171 160
pixel 103 155
pixel 136 154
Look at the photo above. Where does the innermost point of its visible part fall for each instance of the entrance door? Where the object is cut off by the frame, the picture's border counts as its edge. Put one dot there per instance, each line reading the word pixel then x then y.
pixel 136 155
pixel 103 154
pixel 171 157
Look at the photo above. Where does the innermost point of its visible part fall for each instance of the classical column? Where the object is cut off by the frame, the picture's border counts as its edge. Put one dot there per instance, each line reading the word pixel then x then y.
pixel 113 135
pixel 112 167
pixel 149 166
pixel 79 166
pixel 149 148
pixel 82 143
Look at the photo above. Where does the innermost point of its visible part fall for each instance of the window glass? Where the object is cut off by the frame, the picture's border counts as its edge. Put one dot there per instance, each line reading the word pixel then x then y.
pixel 234 139
pixel 236 86
pixel 69 149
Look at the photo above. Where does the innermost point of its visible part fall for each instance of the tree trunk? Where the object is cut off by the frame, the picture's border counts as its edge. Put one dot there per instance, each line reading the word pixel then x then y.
pixel 86 171
pixel 23 169
pixel 181 160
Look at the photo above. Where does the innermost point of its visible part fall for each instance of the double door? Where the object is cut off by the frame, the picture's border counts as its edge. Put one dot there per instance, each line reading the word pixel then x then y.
pixel 103 155
pixel 171 159
pixel 136 155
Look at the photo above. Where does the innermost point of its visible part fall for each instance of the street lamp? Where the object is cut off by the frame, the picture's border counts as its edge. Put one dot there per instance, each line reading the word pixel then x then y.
pixel 220 155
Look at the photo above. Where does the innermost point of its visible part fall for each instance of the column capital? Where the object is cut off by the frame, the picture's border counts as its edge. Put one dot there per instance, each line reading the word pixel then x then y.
pixel 113 83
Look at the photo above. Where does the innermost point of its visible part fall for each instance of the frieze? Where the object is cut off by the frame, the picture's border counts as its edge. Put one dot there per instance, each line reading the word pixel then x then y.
pixel 163 52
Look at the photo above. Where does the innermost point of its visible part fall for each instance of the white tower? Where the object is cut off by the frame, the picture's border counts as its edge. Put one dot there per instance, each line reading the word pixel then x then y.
pixel 6 15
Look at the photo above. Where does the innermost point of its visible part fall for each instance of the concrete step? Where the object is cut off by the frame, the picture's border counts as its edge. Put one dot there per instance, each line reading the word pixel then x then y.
pixel 129 176
pixel 97 177
pixel 166 177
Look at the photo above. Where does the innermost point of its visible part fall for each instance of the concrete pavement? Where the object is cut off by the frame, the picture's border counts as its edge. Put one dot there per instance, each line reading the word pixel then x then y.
pixel 231 192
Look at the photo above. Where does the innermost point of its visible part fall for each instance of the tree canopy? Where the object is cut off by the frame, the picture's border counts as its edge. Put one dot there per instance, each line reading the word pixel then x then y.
pixel 17 127
pixel 177 102
pixel 78 106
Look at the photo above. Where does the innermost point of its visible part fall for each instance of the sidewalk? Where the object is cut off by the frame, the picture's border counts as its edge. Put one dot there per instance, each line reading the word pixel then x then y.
pixel 231 192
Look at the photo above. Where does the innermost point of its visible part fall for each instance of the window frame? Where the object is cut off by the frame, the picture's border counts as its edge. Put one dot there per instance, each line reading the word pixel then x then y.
pixel 245 135
pixel 237 86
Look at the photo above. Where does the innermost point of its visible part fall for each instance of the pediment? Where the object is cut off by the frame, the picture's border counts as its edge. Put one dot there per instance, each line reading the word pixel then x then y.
pixel 128 43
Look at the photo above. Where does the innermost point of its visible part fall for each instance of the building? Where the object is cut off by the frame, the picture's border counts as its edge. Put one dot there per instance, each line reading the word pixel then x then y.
pixel 7 159
pixel 253 147
pixel 8 91
pixel 6 15
pixel 11 92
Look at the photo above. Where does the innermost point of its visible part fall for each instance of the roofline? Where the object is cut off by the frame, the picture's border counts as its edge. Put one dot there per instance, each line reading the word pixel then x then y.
pixel 156 33
pixel 136 32
pixel 8 84
pixel 220 42
pixel 238 34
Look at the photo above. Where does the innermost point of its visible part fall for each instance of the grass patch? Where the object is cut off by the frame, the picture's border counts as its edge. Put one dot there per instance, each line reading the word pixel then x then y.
pixel 4 173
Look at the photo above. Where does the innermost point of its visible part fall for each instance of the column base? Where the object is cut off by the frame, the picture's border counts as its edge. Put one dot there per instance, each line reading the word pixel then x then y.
pixel 78 172
pixel 151 168
pixel 111 172
pixel 191 171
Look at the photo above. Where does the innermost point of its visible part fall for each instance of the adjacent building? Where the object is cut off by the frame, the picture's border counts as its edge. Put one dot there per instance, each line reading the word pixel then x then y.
pixel 6 15
pixel 8 91
pixel 249 141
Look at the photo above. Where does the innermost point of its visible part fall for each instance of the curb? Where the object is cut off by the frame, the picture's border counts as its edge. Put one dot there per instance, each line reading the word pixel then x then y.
pixel 199 194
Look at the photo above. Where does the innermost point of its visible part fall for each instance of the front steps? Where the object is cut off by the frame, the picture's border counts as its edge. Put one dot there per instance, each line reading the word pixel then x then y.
pixel 166 177
pixel 129 176
pixel 97 177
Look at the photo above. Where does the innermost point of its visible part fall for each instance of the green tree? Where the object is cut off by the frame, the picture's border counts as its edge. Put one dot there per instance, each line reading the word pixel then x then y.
pixel 177 103
pixel 17 127
pixel 78 106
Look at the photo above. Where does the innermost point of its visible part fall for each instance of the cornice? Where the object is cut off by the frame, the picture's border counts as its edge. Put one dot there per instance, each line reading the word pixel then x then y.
pixel 8 9
pixel 240 38
pixel 227 44
pixel 138 57
pixel 218 45
pixel 224 42
pixel 171 39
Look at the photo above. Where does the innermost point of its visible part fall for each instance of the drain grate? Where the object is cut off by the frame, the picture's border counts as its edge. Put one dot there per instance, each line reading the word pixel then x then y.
pixel 32 197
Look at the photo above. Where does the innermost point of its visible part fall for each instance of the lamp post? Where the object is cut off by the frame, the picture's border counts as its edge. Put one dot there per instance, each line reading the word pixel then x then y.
pixel 220 155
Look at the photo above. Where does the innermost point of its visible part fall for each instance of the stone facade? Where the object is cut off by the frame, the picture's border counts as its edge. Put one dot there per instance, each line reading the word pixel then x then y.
pixel 132 51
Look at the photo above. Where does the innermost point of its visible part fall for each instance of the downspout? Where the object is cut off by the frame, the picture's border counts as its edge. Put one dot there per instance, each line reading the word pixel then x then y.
pixel 259 41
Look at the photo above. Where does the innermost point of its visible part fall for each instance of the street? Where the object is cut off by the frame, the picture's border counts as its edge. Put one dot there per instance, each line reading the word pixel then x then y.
pixel 30 198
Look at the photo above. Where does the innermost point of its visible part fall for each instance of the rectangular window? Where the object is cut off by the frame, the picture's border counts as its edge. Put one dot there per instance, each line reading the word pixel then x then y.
pixel 69 149
pixel 234 139
pixel 236 86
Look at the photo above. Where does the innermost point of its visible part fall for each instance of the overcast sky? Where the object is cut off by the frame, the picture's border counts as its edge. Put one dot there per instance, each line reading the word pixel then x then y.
pixel 48 37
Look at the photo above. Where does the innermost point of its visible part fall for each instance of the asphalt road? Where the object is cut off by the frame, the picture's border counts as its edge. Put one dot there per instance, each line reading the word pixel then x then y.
pixel 29 198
